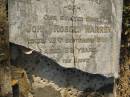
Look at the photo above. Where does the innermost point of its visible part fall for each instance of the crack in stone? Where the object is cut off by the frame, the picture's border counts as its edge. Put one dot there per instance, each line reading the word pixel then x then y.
pixel 73 43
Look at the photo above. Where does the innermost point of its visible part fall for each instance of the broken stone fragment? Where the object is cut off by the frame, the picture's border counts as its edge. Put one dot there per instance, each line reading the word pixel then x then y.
pixel 19 78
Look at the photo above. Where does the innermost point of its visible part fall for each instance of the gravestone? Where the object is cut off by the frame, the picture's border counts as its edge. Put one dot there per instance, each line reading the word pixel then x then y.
pixel 81 34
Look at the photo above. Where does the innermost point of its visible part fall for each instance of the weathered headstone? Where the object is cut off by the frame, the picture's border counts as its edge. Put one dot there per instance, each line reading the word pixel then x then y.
pixel 82 34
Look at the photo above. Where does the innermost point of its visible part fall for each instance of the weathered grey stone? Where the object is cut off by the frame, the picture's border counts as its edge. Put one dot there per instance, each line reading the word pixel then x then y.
pixel 70 82
pixel 82 34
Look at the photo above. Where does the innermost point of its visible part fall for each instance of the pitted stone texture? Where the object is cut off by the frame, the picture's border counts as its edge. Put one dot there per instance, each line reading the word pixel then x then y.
pixel 44 72
pixel 81 34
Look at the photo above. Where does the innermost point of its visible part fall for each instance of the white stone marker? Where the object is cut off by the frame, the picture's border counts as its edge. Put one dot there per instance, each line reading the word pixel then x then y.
pixel 82 34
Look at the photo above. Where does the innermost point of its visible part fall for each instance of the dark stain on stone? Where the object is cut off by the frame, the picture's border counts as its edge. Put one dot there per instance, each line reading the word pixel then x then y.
pixel 63 77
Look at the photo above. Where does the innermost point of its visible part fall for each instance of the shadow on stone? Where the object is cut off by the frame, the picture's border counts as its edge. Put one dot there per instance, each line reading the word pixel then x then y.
pixel 41 66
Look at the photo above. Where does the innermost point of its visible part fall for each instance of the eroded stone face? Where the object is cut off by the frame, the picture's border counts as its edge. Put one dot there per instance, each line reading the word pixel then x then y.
pixel 82 34
pixel 65 82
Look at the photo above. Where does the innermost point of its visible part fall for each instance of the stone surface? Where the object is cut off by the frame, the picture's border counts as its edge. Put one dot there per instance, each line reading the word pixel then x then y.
pixel 46 91
pixel 74 33
pixel 44 73
pixel 19 78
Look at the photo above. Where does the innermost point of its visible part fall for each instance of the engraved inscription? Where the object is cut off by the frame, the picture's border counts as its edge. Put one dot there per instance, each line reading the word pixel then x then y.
pixel 84 34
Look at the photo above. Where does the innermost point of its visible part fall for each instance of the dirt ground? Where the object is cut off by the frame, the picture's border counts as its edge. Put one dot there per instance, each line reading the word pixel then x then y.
pixel 123 83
